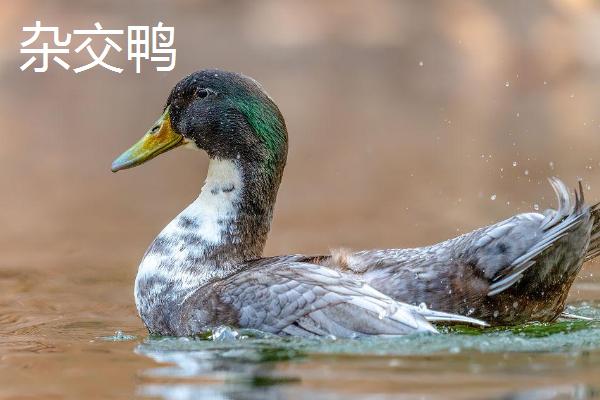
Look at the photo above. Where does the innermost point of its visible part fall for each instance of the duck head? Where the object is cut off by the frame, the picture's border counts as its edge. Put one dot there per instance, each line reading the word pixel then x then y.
pixel 226 114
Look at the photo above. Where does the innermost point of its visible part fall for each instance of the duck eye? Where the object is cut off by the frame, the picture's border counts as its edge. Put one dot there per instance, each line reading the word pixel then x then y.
pixel 202 93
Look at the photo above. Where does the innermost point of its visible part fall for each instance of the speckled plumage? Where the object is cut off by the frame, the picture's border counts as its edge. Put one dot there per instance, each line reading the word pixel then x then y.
pixel 205 268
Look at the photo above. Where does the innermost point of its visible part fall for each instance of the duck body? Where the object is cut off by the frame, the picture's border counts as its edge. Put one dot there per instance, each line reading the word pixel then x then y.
pixel 205 269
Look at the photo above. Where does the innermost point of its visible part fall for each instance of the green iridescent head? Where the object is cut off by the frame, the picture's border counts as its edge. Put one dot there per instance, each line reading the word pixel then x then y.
pixel 226 114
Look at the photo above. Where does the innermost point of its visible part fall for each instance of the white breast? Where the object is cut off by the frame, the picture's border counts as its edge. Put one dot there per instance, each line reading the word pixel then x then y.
pixel 217 203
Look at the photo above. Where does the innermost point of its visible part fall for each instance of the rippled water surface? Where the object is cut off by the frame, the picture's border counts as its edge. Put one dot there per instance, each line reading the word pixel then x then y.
pixel 70 337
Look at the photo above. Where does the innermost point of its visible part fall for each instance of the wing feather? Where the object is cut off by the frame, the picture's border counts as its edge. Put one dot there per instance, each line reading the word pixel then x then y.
pixel 309 299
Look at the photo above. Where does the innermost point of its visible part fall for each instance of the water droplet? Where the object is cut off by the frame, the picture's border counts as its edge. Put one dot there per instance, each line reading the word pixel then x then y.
pixel 515 164
pixel 526 172
pixel 493 197
pixel 496 313
pixel 536 207
pixel 545 82
pixel 507 83
pixel 551 164
pixel 421 63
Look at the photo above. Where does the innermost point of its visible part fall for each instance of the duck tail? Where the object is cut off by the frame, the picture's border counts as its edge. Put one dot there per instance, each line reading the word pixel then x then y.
pixel 594 247
pixel 557 225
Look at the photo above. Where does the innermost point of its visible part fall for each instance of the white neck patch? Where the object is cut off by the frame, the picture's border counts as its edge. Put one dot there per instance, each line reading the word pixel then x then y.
pixel 217 202
pixel 206 219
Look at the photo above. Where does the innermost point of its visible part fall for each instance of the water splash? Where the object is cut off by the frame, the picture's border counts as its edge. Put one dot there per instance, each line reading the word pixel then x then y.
pixel 119 336
pixel 224 334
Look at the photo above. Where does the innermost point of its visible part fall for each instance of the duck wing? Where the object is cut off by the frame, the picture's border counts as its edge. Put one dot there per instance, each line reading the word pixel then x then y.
pixel 303 299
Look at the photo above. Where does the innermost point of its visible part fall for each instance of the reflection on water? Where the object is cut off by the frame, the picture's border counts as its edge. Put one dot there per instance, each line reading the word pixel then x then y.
pixel 526 362
pixel 229 368
pixel 578 392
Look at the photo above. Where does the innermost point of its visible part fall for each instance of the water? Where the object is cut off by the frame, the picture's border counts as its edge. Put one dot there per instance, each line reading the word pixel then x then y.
pixel 65 333
pixel 528 361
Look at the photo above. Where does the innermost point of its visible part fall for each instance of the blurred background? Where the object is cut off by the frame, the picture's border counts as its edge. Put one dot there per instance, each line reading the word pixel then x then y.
pixel 409 121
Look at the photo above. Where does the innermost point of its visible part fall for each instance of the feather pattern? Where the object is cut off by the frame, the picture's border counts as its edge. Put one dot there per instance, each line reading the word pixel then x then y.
pixel 286 296
pixel 510 272
pixel 594 247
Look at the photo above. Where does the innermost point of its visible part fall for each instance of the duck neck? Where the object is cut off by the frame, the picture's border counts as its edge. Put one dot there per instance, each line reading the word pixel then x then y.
pixel 234 211
pixel 229 221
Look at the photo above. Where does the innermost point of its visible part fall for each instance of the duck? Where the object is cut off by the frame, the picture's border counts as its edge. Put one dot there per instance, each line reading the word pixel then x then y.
pixel 206 268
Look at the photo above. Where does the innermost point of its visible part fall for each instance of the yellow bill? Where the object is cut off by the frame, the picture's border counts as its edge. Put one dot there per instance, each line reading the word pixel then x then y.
pixel 160 138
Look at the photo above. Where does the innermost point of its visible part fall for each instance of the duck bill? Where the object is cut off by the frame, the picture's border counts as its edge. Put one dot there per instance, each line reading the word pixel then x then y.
pixel 159 139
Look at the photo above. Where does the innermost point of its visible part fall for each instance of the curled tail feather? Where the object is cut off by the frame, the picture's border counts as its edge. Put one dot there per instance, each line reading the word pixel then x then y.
pixel 568 216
